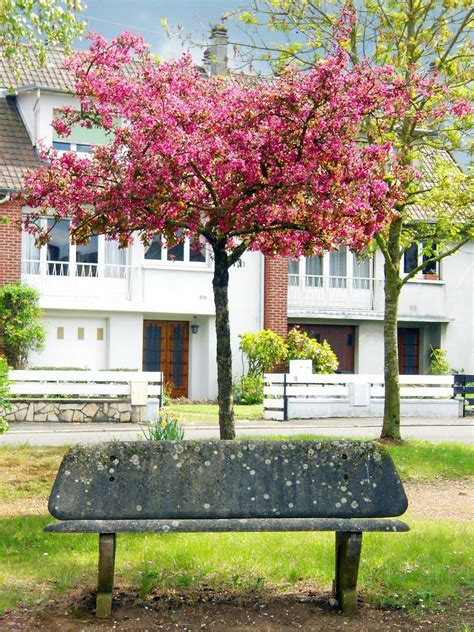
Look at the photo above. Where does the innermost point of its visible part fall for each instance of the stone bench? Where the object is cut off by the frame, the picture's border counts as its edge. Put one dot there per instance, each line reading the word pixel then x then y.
pixel 218 486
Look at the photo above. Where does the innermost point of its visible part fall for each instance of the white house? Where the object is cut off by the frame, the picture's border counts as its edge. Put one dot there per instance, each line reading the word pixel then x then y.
pixel 152 308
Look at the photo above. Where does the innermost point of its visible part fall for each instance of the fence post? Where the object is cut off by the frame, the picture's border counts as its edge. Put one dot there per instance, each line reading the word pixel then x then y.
pixel 285 400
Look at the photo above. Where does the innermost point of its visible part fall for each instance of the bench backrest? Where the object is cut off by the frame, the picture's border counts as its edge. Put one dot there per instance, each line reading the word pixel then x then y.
pixel 227 479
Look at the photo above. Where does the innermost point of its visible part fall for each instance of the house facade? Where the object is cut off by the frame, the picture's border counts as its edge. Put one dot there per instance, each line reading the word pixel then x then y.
pixel 152 308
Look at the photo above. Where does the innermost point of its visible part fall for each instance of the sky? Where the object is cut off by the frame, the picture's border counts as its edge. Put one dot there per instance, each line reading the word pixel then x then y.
pixel 191 18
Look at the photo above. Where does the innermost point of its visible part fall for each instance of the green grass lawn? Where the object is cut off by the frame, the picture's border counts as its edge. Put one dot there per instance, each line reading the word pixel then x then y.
pixel 210 412
pixel 428 567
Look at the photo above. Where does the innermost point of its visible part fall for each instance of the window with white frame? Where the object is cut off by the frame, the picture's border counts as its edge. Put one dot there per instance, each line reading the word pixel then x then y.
pixel 335 269
pixel 61 258
pixel 413 257
pixel 186 252
pixel 81 139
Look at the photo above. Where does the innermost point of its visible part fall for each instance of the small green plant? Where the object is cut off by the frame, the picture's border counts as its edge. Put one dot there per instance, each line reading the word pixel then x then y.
pixel 165 428
pixel 20 328
pixel 4 394
pixel 263 349
pixel 302 347
pixel 439 364
pixel 249 390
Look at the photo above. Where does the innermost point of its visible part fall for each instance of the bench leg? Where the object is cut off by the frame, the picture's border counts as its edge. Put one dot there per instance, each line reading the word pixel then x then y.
pixel 103 608
pixel 348 547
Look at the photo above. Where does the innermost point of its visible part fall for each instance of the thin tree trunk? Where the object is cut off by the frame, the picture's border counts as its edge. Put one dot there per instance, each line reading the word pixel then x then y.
pixel 392 288
pixel 220 284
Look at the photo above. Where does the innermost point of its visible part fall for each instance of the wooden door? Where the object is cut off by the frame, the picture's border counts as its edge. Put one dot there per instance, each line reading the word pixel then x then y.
pixel 340 337
pixel 166 349
pixel 408 351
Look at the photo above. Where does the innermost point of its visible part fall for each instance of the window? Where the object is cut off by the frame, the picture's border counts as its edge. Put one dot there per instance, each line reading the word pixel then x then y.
pixel 57 249
pixel 410 258
pixel 314 271
pixel 293 272
pixel 87 257
pixel 81 139
pixel 100 333
pixel 189 251
pixel 361 273
pixel 80 333
pixel 414 256
pixel 338 268
pixel 99 257
pixel 60 333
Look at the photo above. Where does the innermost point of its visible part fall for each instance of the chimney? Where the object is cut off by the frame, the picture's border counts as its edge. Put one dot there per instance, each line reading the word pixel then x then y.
pixel 218 50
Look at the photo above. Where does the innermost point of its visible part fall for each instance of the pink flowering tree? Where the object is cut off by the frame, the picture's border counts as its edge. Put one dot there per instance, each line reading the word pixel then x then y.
pixel 272 167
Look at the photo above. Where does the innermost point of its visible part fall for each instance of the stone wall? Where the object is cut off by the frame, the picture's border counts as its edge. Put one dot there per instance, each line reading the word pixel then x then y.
pixel 75 410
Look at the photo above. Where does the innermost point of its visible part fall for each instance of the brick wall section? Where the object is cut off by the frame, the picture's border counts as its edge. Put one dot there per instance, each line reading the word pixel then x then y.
pixel 276 295
pixel 10 243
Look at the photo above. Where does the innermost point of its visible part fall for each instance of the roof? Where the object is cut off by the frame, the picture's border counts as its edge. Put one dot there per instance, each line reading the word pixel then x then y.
pixel 428 162
pixel 30 73
pixel 17 155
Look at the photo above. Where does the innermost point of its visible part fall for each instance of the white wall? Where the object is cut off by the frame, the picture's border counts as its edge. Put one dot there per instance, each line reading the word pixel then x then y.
pixel 369 349
pixel 124 341
pixel 89 353
pixel 458 338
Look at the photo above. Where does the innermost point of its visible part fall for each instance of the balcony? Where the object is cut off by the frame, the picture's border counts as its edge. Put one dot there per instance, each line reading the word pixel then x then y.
pixel 67 278
pixel 314 294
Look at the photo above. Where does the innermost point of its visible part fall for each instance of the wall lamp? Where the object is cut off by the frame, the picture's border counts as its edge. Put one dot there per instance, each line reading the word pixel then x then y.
pixel 194 327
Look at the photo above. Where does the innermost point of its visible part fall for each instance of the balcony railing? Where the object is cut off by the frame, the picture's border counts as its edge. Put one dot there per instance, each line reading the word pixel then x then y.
pixel 333 293
pixel 78 278
pixel 71 269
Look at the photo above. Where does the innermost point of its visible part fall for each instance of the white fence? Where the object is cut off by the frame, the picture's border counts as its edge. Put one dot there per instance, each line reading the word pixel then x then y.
pixel 138 386
pixel 290 396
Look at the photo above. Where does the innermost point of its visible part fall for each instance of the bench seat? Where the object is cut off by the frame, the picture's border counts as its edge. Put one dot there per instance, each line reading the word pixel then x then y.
pixel 228 525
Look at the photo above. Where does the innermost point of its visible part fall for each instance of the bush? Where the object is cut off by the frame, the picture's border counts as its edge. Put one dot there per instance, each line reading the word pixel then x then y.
pixel 263 349
pixel 439 364
pixel 302 347
pixel 20 328
pixel 165 428
pixel 249 390
pixel 4 393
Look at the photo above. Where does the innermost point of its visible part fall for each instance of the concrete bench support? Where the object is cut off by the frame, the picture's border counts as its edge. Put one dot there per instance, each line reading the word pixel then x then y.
pixel 348 548
pixel 105 584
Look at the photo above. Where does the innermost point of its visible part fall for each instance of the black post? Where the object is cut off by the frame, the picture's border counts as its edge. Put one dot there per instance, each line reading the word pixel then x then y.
pixel 285 400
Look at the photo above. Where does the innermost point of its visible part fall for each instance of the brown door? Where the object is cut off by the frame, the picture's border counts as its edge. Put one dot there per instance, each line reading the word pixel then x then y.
pixel 166 349
pixel 408 351
pixel 340 337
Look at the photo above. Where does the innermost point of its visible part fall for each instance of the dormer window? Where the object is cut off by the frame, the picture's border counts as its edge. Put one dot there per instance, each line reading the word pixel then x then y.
pixel 81 139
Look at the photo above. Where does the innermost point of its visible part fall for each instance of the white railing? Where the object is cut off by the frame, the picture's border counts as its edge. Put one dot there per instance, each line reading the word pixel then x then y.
pixel 348 395
pixel 138 385
pixel 74 269
pixel 330 293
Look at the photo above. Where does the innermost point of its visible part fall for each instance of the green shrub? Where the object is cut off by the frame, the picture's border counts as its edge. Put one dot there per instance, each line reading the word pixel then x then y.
pixel 249 390
pixel 4 393
pixel 20 328
pixel 302 347
pixel 165 428
pixel 439 364
pixel 263 349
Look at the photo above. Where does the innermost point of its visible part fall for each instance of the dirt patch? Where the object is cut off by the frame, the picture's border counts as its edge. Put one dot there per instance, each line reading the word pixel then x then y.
pixel 189 612
pixel 451 500
pixel 24 507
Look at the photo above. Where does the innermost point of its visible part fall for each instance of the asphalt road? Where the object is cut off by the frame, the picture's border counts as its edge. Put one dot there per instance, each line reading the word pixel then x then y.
pixel 430 429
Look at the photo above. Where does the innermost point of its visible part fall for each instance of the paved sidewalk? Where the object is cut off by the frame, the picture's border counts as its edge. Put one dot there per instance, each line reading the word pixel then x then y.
pixel 431 429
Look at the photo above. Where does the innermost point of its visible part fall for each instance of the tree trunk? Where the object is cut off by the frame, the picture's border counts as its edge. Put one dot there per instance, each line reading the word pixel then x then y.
pixel 392 288
pixel 220 284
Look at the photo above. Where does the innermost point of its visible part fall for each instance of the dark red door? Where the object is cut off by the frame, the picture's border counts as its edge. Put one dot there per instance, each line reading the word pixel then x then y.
pixel 340 337
pixel 408 351
pixel 166 349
